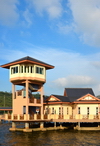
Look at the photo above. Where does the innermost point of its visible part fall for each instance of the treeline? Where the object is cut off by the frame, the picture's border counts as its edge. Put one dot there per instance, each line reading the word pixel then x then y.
pixel 5 99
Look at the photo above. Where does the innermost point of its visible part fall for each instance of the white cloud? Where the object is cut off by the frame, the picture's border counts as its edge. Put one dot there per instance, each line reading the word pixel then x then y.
pixel 96 64
pixel 65 29
pixel 52 7
pixel 74 81
pixel 86 17
pixel 71 69
pixel 28 17
pixel 8 12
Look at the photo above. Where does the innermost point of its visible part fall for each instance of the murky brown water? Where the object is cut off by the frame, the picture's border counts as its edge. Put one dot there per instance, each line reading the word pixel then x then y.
pixel 48 138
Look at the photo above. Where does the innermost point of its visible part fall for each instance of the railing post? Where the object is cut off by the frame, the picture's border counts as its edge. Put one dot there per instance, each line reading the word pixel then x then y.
pixel 48 116
pixel 12 116
pixel 35 116
pixel 42 117
pixel 18 117
pixel 6 116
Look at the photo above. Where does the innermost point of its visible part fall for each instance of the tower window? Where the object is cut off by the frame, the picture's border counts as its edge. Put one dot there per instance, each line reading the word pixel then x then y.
pixel 39 70
pixel 25 69
pixel 14 70
pixel 31 69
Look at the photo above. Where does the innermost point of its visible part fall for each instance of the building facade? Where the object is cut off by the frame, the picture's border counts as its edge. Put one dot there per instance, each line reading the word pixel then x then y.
pixel 77 103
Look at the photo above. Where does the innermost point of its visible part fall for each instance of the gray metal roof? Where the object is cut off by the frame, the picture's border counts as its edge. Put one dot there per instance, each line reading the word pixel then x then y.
pixel 75 93
pixel 28 59
pixel 60 97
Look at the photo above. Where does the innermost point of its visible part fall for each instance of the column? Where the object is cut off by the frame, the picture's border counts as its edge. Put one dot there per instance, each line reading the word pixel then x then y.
pixel 26 125
pixel 42 100
pixel 13 125
pixel 79 124
pixel 27 96
pixel 55 124
pixel 42 125
pixel 13 91
pixel 13 96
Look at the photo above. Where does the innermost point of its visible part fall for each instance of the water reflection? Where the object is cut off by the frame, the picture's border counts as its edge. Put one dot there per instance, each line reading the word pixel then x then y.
pixel 48 138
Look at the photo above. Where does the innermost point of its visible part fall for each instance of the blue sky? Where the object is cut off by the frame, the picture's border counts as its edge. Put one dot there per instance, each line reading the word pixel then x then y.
pixel 63 33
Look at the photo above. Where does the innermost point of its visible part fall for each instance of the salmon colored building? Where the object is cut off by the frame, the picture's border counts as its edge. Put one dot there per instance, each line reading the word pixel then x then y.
pixel 30 75
pixel 76 105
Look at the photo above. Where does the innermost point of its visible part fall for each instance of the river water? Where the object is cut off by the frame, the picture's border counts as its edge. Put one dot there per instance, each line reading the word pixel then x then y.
pixel 48 138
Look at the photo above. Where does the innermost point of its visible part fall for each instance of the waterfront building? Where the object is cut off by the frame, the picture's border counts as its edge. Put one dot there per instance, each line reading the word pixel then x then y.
pixel 76 103
pixel 30 75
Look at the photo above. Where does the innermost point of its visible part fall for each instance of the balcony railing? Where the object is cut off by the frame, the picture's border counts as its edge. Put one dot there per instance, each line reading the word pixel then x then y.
pixel 49 117
pixel 34 100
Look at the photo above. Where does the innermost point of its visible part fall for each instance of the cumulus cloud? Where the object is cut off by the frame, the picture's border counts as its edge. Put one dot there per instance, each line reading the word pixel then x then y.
pixel 96 64
pixel 52 7
pixel 8 12
pixel 85 21
pixel 74 81
pixel 71 69
pixel 86 15
pixel 28 17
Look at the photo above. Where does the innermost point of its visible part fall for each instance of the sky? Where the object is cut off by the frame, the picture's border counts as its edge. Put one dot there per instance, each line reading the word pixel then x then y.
pixel 63 33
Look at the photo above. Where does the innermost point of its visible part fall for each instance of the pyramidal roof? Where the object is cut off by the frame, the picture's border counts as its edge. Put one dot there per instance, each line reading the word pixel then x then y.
pixel 27 59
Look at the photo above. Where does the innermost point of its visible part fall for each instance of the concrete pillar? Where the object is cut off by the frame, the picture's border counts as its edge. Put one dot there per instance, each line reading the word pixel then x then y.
pixel 78 124
pixel 13 91
pixel 13 125
pixel 26 125
pixel 41 124
pixel 60 125
pixel 41 99
pixel 27 96
pixel 54 124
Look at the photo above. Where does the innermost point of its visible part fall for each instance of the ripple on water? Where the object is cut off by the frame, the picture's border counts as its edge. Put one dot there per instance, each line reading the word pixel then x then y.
pixel 48 138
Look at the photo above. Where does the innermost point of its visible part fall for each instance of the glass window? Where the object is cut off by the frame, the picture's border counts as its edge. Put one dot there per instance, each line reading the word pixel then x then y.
pixel 96 110
pixel 52 110
pixel 79 110
pixel 25 69
pixel 62 110
pixel 39 70
pixel 88 110
pixel 21 69
pixel 46 110
pixel 31 69
pixel 24 109
pixel 14 70
pixel 28 69
pixel 59 110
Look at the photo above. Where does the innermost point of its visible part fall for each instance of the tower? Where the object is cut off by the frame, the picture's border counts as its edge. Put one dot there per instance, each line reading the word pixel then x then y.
pixel 30 75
